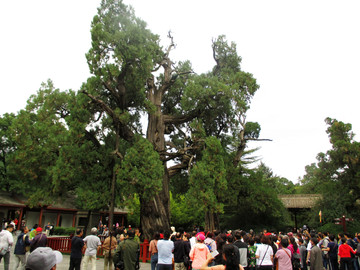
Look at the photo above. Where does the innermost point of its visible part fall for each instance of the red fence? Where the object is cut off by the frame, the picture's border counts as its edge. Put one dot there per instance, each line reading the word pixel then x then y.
pixel 63 244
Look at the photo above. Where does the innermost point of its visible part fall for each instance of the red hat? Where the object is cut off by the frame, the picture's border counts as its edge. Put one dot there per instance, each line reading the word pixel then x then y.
pixel 39 229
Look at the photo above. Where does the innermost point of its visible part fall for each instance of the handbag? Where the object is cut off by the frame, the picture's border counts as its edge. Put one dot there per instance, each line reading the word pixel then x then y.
pixel 259 265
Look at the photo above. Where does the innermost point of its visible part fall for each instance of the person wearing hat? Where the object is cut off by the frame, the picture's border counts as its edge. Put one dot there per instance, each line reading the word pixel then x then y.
pixel 40 240
pixel 43 258
pixel 200 252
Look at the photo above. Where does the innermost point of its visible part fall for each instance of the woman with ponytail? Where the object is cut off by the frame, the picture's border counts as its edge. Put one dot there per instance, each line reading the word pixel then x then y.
pixel 230 260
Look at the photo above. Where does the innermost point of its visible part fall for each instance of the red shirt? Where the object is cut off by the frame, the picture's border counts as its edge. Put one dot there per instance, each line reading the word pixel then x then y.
pixel 344 251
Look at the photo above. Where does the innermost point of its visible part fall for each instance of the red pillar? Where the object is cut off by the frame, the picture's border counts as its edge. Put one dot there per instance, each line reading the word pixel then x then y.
pixel 41 214
pixel 58 219
pixel 74 220
pixel 20 218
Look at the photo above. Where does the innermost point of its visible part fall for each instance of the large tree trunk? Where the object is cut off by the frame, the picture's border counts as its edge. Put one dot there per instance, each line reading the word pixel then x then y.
pixel 209 221
pixel 155 213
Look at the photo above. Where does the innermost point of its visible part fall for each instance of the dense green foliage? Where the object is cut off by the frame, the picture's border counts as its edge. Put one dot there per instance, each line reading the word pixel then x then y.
pixel 190 167
pixel 337 177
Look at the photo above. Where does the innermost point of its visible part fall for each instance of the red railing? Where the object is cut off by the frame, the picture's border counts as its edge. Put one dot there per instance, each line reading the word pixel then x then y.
pixel 63 244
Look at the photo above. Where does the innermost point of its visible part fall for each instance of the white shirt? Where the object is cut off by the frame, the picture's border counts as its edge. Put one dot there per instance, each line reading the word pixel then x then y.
pixel 165 249
pixel 6 239
pixel 192 241
pixel 92 242
pixel 264 252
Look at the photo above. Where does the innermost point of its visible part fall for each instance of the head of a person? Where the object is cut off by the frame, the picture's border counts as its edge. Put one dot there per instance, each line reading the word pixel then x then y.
pixel 200 237
pixel 186 236
pixel 332 237
pixel 38 230
pixel 24 229
pixel 230 238
pixel 284 242
pixel 10 227
pixel 131 233
pixel 265 240
pixel 251 242
pixel 293 242
pixel 79 232
pixel 238 235
pixel 93 231
pixel 343 240
pixel 314 241
pixel 209 235
pixel 230 258
pixel 156 236
pixel 43 258
pixel 178 235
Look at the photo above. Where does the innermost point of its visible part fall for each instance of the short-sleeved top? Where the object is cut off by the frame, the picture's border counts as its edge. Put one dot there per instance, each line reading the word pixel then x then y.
pixel 76 247
pixel 165 249
pixel 264 252
pixel 92 242
pixel 284 258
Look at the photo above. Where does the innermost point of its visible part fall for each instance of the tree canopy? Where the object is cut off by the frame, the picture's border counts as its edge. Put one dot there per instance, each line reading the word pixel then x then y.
pixel 145 128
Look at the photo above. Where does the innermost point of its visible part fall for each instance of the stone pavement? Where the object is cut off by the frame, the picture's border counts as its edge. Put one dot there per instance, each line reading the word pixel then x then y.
pixel 64 265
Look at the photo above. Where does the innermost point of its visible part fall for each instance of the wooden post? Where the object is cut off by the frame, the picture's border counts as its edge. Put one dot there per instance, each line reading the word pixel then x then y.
pixel 20 218
pixel 74 220
pixel 58 219
pixel 41 214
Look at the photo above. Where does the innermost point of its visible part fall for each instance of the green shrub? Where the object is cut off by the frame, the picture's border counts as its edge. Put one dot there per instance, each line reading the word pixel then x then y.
pixel 64 231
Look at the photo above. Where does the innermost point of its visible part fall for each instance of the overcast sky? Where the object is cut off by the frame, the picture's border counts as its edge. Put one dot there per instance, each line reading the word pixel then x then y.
pixel 305 56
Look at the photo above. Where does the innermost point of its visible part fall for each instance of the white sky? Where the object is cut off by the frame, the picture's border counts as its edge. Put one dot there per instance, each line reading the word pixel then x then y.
pixel 304 54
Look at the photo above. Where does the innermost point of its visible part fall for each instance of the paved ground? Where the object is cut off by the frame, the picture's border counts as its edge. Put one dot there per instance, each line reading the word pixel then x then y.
pixel 64 265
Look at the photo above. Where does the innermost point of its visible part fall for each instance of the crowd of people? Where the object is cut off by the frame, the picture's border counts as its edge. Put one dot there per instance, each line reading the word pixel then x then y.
pixel 34 241
pixel 198 250
pixel 299 250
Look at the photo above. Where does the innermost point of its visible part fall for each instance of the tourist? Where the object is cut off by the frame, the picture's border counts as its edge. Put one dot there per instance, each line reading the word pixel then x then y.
pixel 153 250
pixel 165 248
pixel 230 260
pixel 316 262
pixel 109 247
pixel 6 241
pixel 20 248
pixel 77 244
pixel 199 253
pixel 40 240
pixel 283 255
pixel 129 252
pixel 264 254
pixel 43 258
pixel 92 244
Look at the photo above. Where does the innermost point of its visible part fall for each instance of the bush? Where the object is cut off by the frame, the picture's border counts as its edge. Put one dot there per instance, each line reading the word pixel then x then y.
pixel 63 231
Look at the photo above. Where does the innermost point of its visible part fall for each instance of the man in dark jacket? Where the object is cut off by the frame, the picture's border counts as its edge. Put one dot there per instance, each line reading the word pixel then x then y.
pixel 40 240
pixel 20 248
pixel 77 244
pixel 129 251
